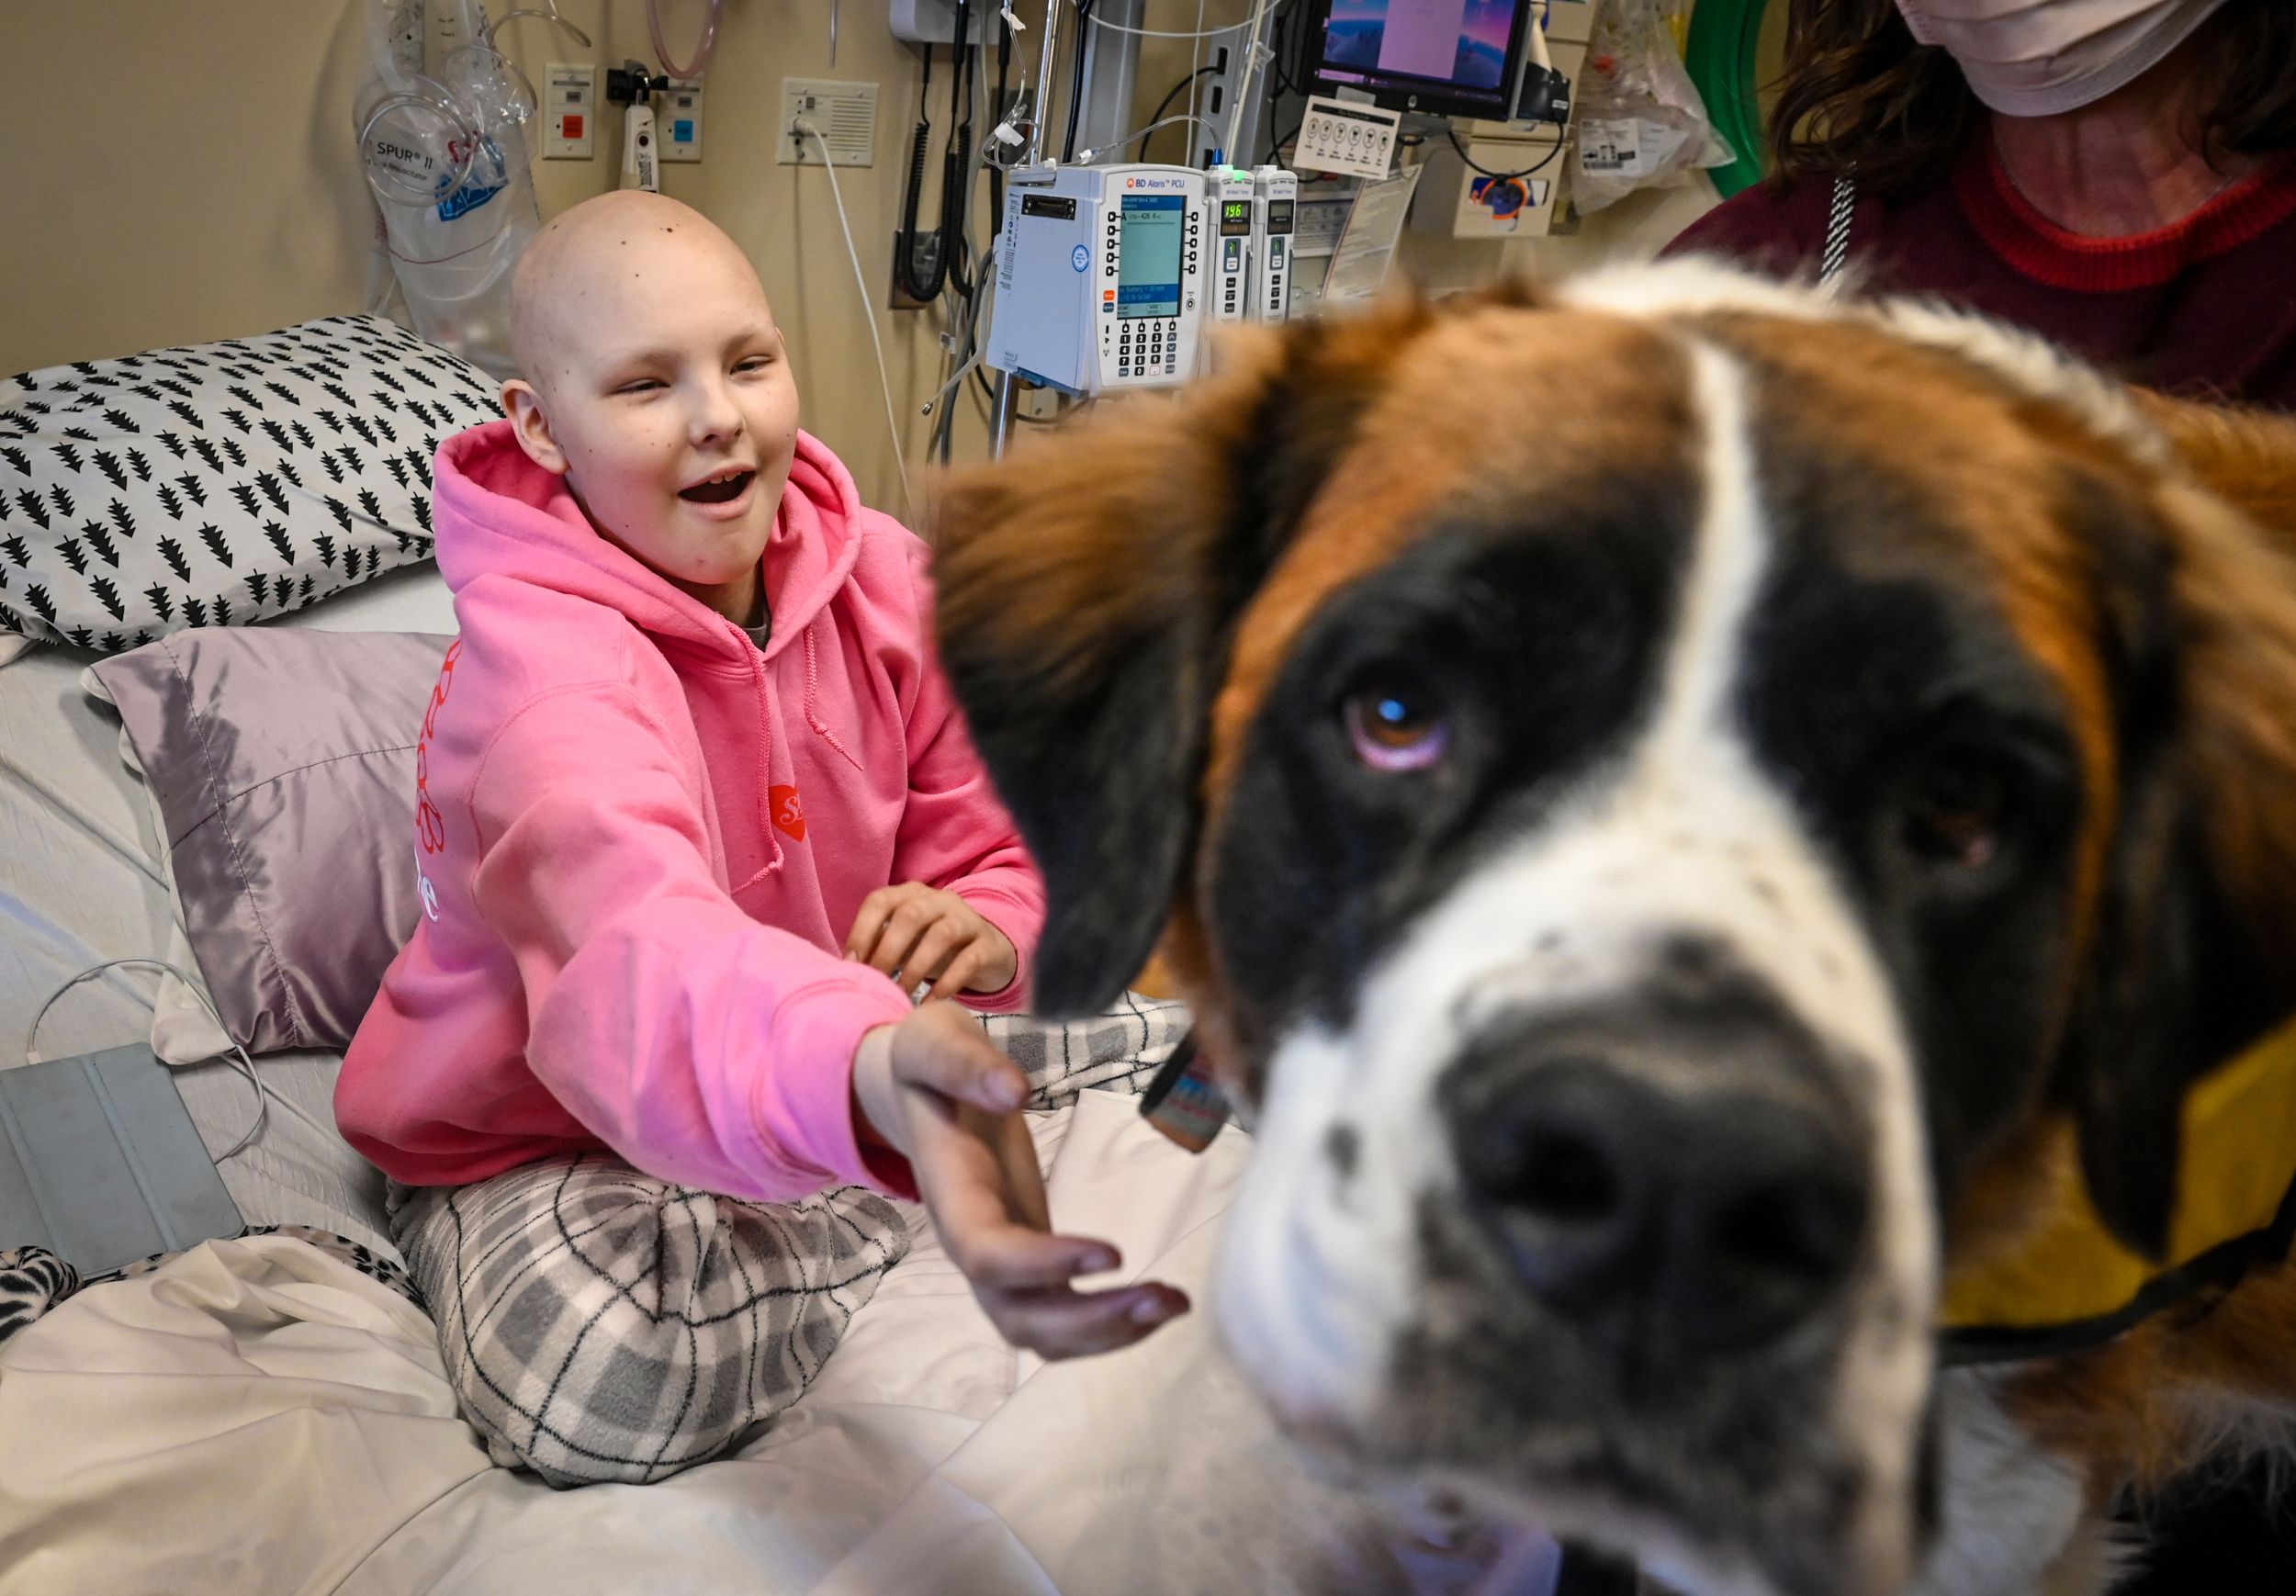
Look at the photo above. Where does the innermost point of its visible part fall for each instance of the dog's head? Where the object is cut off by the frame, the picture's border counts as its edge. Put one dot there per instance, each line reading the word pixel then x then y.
pixel 1656 793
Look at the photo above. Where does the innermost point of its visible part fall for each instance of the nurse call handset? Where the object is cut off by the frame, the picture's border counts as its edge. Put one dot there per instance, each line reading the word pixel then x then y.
pixel 1275 211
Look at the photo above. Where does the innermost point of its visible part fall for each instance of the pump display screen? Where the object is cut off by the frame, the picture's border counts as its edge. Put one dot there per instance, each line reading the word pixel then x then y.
pixel 1236 217
pixel 1279 216
pixel 1148 267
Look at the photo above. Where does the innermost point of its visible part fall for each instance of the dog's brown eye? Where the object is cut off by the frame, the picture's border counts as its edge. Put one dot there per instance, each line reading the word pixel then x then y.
pixel 1953 814
pixel 1396 725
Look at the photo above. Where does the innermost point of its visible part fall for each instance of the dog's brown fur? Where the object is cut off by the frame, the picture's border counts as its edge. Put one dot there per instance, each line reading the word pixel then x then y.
pixel 1317 446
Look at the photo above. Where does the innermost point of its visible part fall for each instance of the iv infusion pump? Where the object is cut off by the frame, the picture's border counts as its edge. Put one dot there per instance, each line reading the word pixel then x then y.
pixel 1254 213
pixel 1100 277
pixel 1275 202
pixel 1232 248
pixel 1107 277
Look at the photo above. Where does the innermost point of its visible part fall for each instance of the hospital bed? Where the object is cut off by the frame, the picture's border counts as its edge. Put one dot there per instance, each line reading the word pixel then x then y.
pixel 259 1416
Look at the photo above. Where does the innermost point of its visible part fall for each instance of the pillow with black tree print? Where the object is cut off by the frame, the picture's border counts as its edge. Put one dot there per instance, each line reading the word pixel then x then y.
pixel 222 484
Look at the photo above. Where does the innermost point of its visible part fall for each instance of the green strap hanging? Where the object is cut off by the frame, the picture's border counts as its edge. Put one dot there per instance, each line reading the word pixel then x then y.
pixel 1724 36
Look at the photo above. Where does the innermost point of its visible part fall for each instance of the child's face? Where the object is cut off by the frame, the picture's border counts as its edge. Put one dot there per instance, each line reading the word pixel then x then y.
pixel 663 392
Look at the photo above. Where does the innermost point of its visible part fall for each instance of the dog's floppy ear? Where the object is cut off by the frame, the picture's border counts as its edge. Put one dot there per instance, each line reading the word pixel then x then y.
pixel 2194 951
pixel 1087 587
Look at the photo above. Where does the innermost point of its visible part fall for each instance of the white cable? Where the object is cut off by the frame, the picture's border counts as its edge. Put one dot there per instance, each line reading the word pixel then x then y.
pixel 1200 32
pixel 963 372
pixel 869 312
pixel 1117 146
pixel 245 1065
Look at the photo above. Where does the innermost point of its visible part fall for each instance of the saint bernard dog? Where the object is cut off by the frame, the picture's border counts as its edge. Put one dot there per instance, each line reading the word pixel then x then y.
pixel 1718 833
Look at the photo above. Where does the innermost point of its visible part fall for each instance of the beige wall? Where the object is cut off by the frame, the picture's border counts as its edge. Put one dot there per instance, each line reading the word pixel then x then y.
pixel 177 171
pixel 183 170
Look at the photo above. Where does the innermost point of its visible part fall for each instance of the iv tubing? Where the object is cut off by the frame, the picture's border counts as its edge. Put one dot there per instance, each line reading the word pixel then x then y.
pixel 702 52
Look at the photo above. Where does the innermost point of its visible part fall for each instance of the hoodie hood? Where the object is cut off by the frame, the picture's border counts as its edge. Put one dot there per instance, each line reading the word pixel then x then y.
pixel 498 513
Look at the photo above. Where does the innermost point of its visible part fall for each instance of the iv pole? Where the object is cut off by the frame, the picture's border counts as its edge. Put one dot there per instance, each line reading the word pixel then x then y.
pixel 1111 69
pixel 1041 116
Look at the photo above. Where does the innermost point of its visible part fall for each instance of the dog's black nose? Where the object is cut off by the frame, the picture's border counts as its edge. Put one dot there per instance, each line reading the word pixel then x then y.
pixel 1692 1215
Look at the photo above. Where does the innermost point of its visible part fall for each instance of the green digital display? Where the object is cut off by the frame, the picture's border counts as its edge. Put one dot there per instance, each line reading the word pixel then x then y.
pixel 1236 217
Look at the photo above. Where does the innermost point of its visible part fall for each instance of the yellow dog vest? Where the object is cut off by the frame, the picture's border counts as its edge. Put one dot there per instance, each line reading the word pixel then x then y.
pixel 2072 1284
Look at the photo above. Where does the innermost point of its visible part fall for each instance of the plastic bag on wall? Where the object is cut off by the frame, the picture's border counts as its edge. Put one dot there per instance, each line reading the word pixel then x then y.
pixel 440 122
pixel 1642 123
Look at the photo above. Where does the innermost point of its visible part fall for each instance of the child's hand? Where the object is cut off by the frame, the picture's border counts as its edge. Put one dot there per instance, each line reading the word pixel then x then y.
pixel 941 1095
pixel 929 935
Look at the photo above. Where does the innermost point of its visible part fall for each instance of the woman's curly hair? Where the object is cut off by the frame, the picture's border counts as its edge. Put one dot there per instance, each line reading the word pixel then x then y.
pixel 1858 94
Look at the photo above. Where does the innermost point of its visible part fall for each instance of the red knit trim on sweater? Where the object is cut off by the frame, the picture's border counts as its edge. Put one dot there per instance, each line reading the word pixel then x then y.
pixel 2033 244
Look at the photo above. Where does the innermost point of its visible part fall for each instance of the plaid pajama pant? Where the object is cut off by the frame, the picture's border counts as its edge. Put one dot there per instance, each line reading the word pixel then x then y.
pixel 599 1324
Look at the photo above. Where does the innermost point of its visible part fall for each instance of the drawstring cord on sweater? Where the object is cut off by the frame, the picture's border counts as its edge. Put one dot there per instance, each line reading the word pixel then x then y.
pixel 763 697
pixel 813 715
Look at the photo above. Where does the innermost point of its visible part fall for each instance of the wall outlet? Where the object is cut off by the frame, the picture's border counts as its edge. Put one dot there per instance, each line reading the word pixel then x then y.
pixel 570 114
pixel 845 113
pixel 678 118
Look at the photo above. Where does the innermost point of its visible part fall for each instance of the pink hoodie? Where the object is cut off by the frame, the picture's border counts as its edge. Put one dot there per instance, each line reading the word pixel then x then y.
pixel 642 844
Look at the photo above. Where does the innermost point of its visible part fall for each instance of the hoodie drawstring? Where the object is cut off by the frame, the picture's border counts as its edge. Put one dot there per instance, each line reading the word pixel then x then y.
pixel 764 695
pixel 813 715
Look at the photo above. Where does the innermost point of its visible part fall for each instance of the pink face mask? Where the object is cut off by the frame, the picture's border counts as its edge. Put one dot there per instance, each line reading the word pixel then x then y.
pixel 2036 57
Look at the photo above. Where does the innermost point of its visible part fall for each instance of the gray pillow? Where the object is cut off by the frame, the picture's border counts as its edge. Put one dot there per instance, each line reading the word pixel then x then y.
pixel 281 766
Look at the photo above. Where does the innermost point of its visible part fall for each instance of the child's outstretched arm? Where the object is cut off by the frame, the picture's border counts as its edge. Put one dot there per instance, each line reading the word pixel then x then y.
pixel 936 1090
pixel 702 1046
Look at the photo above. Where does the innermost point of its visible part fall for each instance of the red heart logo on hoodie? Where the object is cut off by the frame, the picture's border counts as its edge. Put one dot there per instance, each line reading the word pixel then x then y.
pixel 789 811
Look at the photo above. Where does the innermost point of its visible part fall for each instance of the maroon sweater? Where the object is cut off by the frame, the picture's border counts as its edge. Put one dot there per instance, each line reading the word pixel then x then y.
pixel 2205 308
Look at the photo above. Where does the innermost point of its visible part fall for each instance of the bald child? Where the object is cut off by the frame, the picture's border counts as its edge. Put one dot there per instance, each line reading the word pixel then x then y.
pixel 691 795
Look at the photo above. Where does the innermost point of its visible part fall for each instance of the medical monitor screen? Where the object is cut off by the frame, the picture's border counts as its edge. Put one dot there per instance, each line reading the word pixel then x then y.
pixel 1455 58
pixel 1148 250
pixel 1236 217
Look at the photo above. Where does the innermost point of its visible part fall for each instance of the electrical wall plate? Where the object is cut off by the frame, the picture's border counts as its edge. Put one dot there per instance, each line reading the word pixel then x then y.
pixel 846 113
pixel 1340 136
pixel 678 119
pixel 569 116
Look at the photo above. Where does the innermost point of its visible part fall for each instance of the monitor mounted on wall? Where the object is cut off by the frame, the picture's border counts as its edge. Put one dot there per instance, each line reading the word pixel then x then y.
pixel 1444 58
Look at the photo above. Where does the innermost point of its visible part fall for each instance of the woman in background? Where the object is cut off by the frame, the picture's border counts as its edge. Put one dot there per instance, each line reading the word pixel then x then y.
pixel 2114 174
pixel 2119 175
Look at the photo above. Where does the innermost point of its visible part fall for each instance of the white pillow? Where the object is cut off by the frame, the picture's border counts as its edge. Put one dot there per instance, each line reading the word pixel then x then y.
pixel 222 484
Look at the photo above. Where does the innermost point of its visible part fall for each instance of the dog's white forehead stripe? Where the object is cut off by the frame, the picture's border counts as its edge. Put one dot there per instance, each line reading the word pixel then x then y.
pixel 1684 833
pixel 1693 287
pixel 1681 833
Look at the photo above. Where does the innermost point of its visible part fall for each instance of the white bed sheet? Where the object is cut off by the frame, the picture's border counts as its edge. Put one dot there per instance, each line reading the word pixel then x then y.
pixel 79 885
pixel 257 1417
